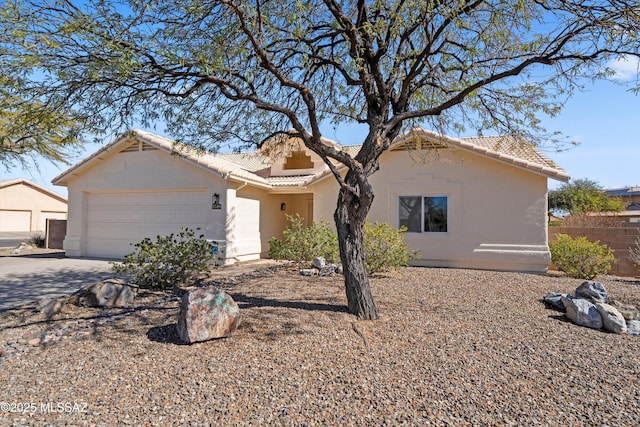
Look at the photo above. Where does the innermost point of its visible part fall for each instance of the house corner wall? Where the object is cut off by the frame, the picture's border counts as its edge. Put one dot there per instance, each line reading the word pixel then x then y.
pixel 76 217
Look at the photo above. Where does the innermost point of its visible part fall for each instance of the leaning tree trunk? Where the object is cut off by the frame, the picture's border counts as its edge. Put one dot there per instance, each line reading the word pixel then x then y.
pixel 350 216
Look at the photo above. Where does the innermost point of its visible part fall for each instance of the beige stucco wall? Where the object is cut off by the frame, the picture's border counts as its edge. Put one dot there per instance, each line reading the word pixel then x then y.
pixel 262 215
pixel 497 213
pixel 30 206
pixel 143 172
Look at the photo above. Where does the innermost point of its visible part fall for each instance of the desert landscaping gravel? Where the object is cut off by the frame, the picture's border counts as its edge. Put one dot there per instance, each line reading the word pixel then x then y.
pixel 453 347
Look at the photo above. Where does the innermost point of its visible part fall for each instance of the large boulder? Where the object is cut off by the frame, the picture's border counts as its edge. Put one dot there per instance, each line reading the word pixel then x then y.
pixel 554 299
pixel 592 290
pixel 628 311
pixel 582 312
pixel 107 293
pixel 633 327
pixel 612 320
pixel 207 313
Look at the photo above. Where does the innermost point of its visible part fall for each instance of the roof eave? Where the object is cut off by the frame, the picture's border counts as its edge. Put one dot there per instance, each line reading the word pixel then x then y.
pixel 63 178
pixel 557 174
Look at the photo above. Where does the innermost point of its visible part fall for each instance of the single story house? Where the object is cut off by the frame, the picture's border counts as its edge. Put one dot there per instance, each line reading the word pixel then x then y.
pixel 630 196
pixel 467 202
pixel 25 206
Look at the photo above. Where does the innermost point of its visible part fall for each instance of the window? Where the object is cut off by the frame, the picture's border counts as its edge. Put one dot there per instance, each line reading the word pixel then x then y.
pixel 424 214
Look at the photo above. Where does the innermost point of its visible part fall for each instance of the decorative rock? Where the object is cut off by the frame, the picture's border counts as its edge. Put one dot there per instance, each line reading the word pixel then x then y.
pixel 592 290
pixel 34 342
pixel 628 311
pixel 633 327
pixel 612 320
pixel 108 293
pixel 309 272
pixel 207 313
pixel 329 270
pixel 554 299
pixel 51 306
pixel 319 263
pixel 582 312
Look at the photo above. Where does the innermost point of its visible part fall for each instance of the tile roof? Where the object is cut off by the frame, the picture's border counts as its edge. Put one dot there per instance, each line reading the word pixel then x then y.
pixel 507 149
pixel 287 181
pixel 515 146
pixel 254 167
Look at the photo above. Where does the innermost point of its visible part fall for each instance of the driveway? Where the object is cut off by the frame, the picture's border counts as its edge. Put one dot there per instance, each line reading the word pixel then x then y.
pixel 27 279
pixel 11 239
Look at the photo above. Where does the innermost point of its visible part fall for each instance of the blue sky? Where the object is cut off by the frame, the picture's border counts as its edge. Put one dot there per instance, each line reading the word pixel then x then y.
pixel 604 119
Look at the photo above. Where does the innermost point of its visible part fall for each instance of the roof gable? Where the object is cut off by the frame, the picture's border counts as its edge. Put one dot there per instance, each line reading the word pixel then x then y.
pixel 512 150
pixel 257 168
pixel 20 181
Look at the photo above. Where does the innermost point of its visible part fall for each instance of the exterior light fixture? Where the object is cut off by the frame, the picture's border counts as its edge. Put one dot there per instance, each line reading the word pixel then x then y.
pixel 283 206
pixel 215 201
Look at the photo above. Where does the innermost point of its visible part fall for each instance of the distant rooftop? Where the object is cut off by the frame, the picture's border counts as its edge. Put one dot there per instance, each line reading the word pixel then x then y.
pixel 623 192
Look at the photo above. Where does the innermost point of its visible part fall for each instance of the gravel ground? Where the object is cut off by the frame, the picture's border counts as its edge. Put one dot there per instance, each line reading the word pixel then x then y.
pixel 454 347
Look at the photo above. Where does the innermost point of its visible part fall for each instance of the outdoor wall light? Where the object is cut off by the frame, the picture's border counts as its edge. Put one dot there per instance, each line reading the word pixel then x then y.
pixel 215 201
pixel 283 206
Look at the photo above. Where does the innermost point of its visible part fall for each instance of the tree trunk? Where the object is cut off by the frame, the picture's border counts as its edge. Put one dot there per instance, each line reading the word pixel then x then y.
pixel 350 216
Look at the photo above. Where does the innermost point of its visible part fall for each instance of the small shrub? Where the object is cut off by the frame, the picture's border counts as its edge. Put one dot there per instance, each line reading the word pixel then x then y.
pixel 37 240
pixel 169 261
pixel 581 258
pixel 303 243
pixel 634 253
pixel 384 247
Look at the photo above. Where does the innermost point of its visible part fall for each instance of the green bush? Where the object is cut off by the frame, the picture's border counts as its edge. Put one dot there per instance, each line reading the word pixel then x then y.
pixel 169 261
pixel 384 247
pixel 303 243
pixel 581 258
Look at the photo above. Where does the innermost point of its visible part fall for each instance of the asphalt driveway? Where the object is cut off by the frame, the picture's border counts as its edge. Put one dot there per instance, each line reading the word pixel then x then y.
pixel 28 279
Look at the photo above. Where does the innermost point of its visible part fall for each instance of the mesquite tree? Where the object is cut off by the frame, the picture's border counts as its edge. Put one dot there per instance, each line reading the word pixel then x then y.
pixel 30 130
pixel 219 70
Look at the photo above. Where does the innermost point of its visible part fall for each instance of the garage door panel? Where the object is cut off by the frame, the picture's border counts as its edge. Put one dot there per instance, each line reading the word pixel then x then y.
pixel 157 214
pixel 15 220
pixel 116 221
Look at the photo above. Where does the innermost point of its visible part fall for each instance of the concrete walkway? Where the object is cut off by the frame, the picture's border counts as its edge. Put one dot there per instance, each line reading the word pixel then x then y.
pixel 28 279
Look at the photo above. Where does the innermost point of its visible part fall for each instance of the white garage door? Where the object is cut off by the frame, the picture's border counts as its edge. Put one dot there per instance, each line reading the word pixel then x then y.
pixel 15 220
pixel 115 220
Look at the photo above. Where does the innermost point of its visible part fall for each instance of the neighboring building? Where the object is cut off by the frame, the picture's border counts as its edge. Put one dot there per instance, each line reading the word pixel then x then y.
pixel 25 206
pixel 472 202
pixel 631 198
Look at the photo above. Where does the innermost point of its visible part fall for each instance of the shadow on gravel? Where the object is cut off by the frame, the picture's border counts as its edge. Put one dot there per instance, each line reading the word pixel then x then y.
pixel 245 301
pixel 167 334
pixel 20 318
pixel 561 318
